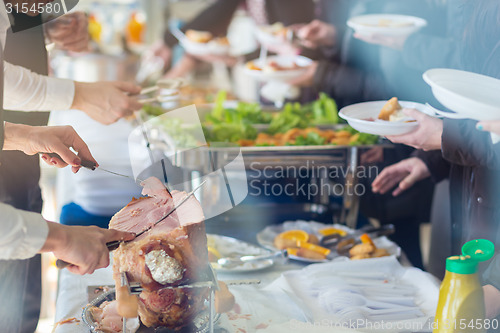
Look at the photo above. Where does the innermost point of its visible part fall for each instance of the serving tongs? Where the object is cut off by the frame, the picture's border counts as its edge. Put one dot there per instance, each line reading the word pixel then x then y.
pixel 233 261
pixel 164 89
pixel 115 244
pixel 342 244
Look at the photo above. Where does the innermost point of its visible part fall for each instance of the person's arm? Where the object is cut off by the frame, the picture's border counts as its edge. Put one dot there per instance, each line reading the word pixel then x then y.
pixel 26 90
pixel 463 144
pixel 26 234
pixel 48 139
pixel 105 102
pixel 23 233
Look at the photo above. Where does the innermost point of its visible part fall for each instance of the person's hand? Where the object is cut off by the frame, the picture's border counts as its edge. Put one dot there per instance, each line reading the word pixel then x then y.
pixel 427 136
pixel 394 42
pixel 406 172
pixel 372 156
pixel 492 126
pixel 491 301
pixel 306 79
pixel 316 34
pixel 69 32
pixel 83 247
pixel 106 102
pixel 48 139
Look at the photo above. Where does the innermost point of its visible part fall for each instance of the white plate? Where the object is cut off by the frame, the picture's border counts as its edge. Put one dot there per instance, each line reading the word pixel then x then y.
pixel 469 94
pixel 267 235
pixel 210 48
pixel 357 116
pixel 282 75
pixel 228 246
pixel 397 25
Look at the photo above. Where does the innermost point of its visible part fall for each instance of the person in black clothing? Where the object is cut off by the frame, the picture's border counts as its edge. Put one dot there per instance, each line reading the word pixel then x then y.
pixel 353 73
pixel 465 155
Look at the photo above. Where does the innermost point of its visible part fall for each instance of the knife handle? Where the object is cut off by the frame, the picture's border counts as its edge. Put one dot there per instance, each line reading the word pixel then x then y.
pixel 110 245
pixel 84 163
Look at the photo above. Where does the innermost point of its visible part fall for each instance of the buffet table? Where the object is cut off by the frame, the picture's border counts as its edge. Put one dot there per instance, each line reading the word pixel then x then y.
pixel 73 295
pixel 262 308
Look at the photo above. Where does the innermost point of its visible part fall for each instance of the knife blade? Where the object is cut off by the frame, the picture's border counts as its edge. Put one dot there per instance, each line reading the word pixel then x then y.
pixel 135 288
pixel 114 244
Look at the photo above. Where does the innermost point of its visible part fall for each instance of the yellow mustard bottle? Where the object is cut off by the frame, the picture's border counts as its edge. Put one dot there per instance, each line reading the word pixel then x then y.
pixel 461 300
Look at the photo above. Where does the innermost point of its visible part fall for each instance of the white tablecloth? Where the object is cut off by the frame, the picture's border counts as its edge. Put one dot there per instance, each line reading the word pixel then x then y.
pixel 264 308
pixel 72 297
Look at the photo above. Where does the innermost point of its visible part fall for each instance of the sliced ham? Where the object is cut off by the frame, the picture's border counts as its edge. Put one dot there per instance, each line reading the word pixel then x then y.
pixel 109 321
pixel 172 253
pixel 153 187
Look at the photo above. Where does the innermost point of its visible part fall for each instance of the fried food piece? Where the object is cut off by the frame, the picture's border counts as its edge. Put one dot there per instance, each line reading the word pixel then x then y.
pixel 310 254
pixel 282 243
pixel 380 253
pixel 222 40
pixel 292 134
pixel 340 141
pixel 313 239
pixel 360 256
pixel 362 249
pixel 224 299
pixel 265 139
pixel 328 135
pixel 392 106
pixel 199 36
pixel 252 66
pixel 246 143
pixel 343 134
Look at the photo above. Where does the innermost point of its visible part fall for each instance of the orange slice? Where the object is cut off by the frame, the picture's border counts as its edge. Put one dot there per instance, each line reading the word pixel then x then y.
pixel 365 239
pixel 331 230
pixel 292 251
pixel 296 235
pixel 315 248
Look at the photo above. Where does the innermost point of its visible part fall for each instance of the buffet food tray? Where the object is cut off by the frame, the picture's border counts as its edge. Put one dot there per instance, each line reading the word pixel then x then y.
pixel 262 156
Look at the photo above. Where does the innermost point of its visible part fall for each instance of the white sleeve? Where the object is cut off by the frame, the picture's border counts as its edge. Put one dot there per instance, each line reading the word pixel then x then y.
pixel 23 233
pixel 28 91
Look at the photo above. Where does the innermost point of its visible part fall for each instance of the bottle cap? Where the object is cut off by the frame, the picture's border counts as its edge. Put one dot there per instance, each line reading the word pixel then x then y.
pixel 473 252
pixel 479 249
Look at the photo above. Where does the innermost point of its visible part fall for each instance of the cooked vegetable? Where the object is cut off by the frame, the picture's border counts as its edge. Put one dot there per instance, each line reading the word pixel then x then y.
pixel 292 116
pixel 325 110
pixel 311 139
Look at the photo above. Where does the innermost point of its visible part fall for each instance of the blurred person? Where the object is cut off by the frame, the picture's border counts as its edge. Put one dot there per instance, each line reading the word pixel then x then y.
pixel 352 72
pixel 216 19
pixel 69 33
pixel 19 173
pixel 469 158
pixel 27 233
